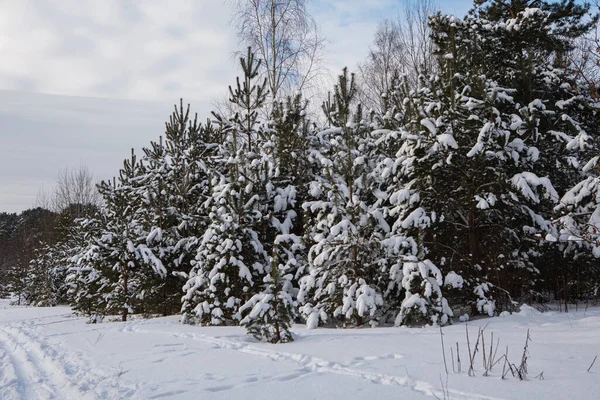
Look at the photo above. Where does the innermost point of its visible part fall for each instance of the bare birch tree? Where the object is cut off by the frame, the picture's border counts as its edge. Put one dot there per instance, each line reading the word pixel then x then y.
pixel 75 192
pixel 584 59
pixel 384 62
pixel 286 37
pixel 401 47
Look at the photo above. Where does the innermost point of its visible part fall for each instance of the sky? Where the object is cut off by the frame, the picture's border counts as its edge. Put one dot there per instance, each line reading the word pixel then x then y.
pixel 84 81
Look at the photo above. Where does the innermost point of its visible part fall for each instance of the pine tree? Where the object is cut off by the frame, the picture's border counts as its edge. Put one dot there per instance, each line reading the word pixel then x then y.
pixel 346 226
pixel 118 257
pixel 480 154
pixel 534 58
pixel 283 154
pixel 173 189
pixel 89 275
pixel 231 254
pixel 273 309
pixel 576 236
pixel 39 286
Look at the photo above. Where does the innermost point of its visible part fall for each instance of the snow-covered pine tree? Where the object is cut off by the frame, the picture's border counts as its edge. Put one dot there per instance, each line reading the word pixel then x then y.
pixel 39 286
pixel 231 255
pixel 480 185
pixel 561 116
pixel 283 152
pixel 66 246
pixel 411 282
pixel 117 240
pixel 151 205
pixel 173 191
pixel 577 233
pixel 89 275
pixel 272 311
pixel 290 138
pixel 346 224
pixel 120 249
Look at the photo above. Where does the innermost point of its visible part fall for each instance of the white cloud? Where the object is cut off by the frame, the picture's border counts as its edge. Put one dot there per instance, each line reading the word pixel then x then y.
pixel 151 50
pixel 117 48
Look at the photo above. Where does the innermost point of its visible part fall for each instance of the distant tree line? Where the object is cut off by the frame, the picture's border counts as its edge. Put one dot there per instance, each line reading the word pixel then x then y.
pixel 29 241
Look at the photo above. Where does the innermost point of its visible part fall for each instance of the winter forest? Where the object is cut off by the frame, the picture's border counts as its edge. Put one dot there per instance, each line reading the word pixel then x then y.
pixel 453 175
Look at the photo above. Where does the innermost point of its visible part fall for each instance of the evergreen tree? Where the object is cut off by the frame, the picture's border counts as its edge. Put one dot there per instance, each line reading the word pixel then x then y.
pixel 534 57
pixel 40 287
pixel 481 151
pixel 117 259
pixel 89 276
pixel 577 233
pixel 173 190
pixel 273 309
pixel 283 153
pixel 347 226
pixel 231 254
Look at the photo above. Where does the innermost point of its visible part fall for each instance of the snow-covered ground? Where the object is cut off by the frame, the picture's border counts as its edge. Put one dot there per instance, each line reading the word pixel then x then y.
pixel 47 353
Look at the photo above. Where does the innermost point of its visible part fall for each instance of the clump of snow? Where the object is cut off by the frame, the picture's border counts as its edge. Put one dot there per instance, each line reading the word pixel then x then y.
pixel 430 125
pixel 454 280
pixel 527 311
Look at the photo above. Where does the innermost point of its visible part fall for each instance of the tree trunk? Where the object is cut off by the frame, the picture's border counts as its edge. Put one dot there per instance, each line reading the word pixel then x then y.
pixel 165 307
pixel 125 309
pixel 473 237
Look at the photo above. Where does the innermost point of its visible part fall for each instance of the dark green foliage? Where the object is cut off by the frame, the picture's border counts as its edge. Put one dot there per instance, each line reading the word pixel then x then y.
pixel 494 69
pixel 272 310
pixel 568 19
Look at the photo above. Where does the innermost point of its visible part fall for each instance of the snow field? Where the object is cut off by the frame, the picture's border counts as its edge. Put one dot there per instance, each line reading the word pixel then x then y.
pixel 46 353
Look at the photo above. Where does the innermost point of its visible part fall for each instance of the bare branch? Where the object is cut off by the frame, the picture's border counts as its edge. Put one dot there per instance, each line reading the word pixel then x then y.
pixel 401 47
pixel 286 37
pixel 75 191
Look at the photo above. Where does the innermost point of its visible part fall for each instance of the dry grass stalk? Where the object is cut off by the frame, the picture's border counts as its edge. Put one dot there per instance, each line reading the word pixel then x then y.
pixel 588 370
pixel 443 350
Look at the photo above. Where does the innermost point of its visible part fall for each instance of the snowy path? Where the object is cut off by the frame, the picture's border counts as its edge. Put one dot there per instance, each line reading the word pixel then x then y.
pixel 41 367
pixel 35 367
pixel 49 354
pixel 16 382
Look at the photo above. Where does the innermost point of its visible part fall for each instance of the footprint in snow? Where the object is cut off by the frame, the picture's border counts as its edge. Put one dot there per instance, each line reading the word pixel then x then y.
pixel 168 345
pixel 168 394
pixel 383 357
pixel 219 388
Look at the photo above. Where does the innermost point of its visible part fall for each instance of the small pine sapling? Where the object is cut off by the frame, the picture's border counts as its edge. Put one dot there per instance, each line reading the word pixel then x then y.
pixel 423 302
pixel 271 311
